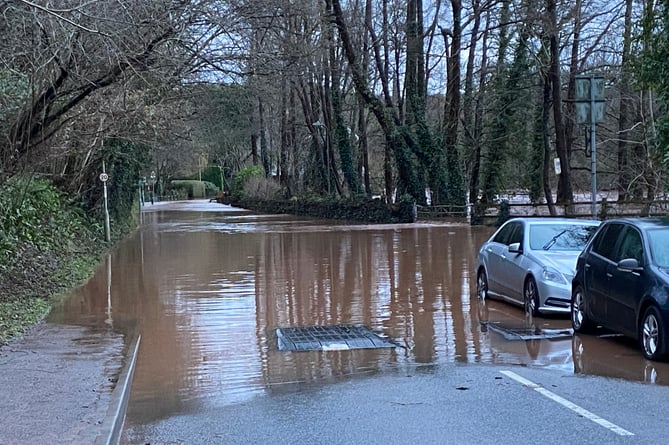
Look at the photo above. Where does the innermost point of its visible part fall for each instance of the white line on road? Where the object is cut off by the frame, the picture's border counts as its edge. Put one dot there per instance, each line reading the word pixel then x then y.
pixel 566 403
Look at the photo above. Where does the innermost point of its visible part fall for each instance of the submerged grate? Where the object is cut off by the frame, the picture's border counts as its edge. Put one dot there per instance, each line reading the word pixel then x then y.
pixel 517 333
pixel 329 338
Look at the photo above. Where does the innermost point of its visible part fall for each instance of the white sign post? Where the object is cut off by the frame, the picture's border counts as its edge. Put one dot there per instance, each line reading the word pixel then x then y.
pixel 104 178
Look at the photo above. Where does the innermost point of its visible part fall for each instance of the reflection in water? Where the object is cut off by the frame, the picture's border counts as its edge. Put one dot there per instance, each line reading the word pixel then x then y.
pixel 206 285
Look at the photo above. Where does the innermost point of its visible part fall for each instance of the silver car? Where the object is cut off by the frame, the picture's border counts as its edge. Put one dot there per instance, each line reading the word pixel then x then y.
pixel 530 262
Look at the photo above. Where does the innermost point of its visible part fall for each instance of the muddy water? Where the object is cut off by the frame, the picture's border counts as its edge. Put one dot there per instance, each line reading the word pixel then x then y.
pixel 206 286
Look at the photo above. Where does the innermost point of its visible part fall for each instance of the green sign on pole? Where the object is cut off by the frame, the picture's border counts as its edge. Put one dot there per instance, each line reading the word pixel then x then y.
pixel 590 101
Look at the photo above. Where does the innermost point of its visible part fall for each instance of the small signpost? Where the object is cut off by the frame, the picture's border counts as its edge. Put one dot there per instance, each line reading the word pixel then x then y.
pixel 104 177
pixel 140 187
pixel 590 101
pixel 153 185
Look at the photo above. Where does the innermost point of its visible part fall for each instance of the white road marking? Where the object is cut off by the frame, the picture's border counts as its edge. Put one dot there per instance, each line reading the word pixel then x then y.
pixel 566 403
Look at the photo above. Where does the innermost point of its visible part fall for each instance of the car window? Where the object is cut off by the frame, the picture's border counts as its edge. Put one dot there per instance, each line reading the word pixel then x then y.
pixel 517 234
pixel 505 233
pixel 659 246
pixel 630 246
pixel 606 240
pixel 560 236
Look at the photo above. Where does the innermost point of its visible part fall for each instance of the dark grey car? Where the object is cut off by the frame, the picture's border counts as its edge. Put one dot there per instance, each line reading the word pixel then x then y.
pixel 622 283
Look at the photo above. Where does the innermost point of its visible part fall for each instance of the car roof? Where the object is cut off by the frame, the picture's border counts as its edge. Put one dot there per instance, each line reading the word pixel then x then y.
pixel 643 222
pixel 556 220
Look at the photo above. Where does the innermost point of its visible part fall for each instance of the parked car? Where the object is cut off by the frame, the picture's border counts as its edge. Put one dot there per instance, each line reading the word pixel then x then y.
pixel 530 262
pixel 622 283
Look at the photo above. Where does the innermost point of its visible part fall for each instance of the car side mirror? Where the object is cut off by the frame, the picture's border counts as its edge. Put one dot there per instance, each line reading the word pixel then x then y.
pixel 515 248
pixel 629 265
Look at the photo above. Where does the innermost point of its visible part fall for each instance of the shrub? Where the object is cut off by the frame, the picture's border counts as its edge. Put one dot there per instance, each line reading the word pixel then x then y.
pixel 37 213
pixel 261 188
pixel 194 188
pixel 240 179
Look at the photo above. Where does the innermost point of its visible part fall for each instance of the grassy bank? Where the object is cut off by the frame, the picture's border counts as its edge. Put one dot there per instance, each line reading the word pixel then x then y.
pixel 48 245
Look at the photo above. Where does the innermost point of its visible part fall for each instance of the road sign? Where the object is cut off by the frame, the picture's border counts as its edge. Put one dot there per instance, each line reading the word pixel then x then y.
pixel 590 99
pixel 104 177
pixel 589 88
pixel 584 114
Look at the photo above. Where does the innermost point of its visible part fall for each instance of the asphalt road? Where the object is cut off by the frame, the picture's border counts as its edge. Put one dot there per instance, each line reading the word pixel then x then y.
pixel 56 386
pixel 57 383
pixel 459 404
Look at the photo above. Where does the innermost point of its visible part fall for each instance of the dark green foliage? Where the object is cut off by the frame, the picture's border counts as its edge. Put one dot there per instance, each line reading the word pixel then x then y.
pixel 511 127
pixel 410 181
pixel 37 213
pixel 213 175
pixel 429 154
pixel 315 177
pixel 343 139
pixel 534 178
pixel 47 245
pixel 125 163
pixel 373 211
pixel 15 315
pixel 192 188
pixel 455 185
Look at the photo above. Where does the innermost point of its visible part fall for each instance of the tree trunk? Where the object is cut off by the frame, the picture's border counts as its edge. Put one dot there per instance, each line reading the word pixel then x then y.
pixel 472 157
pixel 570 115
pixel 454 186
pixel 400 143
pixel 341 133
pixel 497 150
pixel 623 113
pixel 565 194
pixel 264 145
pixel 545 118
pixel 478 117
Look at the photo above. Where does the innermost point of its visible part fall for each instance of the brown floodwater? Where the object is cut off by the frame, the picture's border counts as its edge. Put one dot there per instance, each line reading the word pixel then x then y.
pixel 207 285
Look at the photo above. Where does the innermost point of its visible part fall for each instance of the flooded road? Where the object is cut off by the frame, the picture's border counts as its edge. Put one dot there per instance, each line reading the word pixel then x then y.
pixel 207 285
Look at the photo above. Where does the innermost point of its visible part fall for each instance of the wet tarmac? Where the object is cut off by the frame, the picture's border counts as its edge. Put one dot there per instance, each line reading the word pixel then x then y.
pixel 207 286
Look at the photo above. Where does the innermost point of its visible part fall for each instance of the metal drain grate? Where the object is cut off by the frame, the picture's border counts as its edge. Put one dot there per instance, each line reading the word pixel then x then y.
pixel 329 338
pixel 517 333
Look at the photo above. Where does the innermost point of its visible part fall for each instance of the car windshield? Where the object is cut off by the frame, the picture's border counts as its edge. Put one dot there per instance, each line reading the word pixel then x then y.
pixel 560 236
pixel 659 245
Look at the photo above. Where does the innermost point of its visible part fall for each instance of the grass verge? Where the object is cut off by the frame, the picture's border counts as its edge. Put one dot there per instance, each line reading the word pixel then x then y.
pixel 47 247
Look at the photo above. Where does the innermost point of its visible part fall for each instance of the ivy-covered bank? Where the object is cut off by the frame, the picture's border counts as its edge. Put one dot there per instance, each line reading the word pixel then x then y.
pixel 372 211
pixel 48 245
pixel 250 189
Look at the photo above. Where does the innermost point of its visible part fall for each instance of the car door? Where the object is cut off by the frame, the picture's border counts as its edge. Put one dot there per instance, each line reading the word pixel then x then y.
pixel 626 288
pixel 513 266
pixel 596 275
pixel 496 252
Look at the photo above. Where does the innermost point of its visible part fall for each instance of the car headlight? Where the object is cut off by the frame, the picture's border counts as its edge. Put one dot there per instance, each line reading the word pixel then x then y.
pixel 551 274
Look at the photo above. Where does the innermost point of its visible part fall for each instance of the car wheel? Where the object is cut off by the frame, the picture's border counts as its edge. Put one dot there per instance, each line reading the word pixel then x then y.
pixel 652 335
pixel 482 285
pixel 579 318
pixel 531 297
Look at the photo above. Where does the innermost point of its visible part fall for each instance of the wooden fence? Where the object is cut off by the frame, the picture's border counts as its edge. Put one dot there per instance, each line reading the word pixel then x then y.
pixel 493 212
